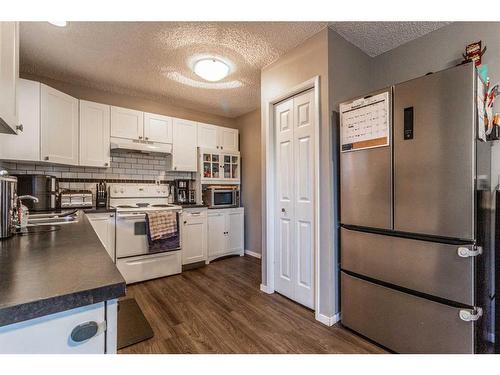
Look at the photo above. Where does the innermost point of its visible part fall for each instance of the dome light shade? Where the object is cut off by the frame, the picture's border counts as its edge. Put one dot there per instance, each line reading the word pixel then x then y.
pixel 58 23
pixel 211 69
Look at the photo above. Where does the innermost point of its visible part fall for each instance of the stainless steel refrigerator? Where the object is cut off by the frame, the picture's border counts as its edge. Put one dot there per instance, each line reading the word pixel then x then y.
pixel 415 213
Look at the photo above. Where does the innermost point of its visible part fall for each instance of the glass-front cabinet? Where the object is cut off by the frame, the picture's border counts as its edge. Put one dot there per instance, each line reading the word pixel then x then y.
pixel 218 167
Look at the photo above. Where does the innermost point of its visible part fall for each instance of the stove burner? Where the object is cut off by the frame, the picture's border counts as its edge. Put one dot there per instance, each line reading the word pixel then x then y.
pixel 161 205
pixel 125 206
pixel 142 204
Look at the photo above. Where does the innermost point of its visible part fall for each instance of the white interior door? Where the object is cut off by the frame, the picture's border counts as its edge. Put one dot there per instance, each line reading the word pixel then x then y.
pixel 304 197
pixel 294 252
pixel 285 247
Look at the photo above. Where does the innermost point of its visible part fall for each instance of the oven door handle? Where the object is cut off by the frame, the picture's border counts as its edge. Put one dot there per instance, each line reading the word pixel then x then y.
pixel 131 216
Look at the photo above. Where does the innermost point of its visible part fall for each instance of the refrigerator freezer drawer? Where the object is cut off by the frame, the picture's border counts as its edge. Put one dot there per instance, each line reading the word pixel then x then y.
pixel 403 322
pixel 427 267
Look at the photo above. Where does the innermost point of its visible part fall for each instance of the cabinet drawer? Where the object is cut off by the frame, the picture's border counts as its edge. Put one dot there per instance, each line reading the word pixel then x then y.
pixel 194 213
pixel 146 267
pixel 403 322
pixel 427 267
pixel 51 334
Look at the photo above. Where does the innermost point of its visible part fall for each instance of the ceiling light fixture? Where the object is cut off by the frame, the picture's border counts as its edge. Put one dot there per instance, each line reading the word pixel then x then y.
pixel 58 23
pixel 211 69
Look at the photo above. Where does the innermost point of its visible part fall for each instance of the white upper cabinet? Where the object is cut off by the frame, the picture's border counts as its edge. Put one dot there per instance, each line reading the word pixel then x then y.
pixel 217 137
pixel 59 126
pixel 208 136
pixel 228 139
pixel 9 75
pixel 184 150
pixel 127 123
pixel 94 134
pixel 26 144
pixel 157 128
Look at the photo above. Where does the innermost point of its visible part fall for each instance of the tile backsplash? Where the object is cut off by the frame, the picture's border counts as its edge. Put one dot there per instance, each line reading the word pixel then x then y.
pixel 125 165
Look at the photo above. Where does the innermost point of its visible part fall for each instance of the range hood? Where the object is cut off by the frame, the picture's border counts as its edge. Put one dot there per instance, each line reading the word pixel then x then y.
pixel 140 146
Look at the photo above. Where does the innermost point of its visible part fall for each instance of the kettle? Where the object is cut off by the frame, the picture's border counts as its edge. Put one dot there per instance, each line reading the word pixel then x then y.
pixel 8 197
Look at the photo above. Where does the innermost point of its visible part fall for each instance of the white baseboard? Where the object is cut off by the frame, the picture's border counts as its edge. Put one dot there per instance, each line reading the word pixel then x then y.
pixel 253 254
pixel 266 289
pixel 328 320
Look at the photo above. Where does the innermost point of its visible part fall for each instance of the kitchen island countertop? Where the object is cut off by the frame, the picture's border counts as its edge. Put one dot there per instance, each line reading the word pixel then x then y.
pixel 48 272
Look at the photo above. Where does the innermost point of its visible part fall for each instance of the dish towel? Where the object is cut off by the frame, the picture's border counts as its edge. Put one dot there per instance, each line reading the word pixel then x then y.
pixel 162 231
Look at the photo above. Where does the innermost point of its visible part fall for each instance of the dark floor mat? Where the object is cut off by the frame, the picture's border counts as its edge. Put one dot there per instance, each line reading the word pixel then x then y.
pixel 132 324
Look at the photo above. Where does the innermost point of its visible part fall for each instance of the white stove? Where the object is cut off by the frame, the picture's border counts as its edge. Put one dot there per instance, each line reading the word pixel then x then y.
pixel 140 197
pixel 134 258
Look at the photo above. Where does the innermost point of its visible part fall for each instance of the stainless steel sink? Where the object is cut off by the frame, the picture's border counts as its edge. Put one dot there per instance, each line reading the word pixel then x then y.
pixel 66 217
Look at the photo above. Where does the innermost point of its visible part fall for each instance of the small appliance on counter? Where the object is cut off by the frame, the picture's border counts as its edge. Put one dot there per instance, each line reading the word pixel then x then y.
pixel 8 185
pixel 221 196
pixel 184 192
pixel 76 199
pixel 44 187
pixel 101 195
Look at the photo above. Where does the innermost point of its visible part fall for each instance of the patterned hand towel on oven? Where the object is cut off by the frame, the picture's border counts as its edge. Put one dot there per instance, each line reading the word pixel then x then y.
pixel 162 231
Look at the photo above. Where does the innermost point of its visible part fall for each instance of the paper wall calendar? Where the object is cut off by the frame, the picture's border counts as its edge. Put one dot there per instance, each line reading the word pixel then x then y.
pixel 364 123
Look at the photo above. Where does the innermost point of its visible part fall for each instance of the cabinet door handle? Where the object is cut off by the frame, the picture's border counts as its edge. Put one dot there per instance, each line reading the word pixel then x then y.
pixel 140 137
pixel 106 164
pixel 20 128
pixel 146 138
pixel 46 158
pixel 85 331
pixel 185 222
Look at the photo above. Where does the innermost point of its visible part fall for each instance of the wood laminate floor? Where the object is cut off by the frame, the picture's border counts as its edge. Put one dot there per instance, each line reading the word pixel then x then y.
pixel 219 308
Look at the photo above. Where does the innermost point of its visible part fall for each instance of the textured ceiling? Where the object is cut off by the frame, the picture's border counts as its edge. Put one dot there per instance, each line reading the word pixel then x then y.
pixel 375 38
pixel 152 59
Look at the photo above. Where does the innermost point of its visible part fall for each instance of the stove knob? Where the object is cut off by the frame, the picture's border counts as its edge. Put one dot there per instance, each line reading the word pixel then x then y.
pixel 122 191
pixel 163 191
pixel 115 191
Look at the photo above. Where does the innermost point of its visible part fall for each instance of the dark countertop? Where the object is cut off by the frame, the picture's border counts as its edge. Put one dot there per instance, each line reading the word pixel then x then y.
pixel 102 210
pixel 193 205
pixel 49 272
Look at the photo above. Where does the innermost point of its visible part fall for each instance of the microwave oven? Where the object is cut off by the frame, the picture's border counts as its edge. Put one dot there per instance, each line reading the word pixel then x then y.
pixel 221 197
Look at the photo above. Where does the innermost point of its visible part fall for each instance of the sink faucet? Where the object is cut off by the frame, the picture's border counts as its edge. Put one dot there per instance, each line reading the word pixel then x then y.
pixel 31 197
pixel 22 211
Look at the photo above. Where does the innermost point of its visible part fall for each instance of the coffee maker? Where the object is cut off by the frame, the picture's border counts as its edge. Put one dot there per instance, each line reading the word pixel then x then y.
pixel 184 192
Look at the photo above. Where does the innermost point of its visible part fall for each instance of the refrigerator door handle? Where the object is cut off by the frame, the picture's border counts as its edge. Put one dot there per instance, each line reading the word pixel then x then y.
pixel 465 252
pixel 471 315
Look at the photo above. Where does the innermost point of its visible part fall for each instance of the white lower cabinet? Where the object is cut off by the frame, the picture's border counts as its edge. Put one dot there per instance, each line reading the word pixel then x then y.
pixel 64 332
pixel 225 232
pixel 194 235
pixel 104 226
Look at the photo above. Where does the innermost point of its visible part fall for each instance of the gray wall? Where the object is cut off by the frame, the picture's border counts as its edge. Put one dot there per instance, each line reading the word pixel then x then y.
pixel 251 199
pixel 344 72
pixel 349 77
pixel 439 50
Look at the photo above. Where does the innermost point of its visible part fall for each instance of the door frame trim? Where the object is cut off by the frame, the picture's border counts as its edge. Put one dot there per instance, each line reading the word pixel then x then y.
pixel 269 221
